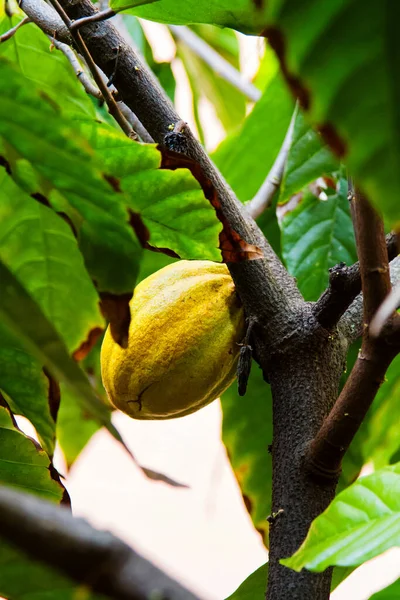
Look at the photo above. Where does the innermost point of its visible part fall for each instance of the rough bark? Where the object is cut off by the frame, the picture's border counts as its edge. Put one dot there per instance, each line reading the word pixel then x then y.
pixel 304 373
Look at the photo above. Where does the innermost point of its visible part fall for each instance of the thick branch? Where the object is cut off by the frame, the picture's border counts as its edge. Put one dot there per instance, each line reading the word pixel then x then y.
pixel 344 286
pixel 98 559
pixel 339 428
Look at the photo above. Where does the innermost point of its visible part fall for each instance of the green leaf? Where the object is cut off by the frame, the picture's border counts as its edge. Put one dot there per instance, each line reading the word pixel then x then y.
pixel 362 522
pixel 50 265
pixel 20 313
pixel 47 156
pixel 392 592
pixel 315 236
pixel 252 588
pixel 26 386
pixel 22 464
pixel 308 159
pixel 246 433
pixel 241 14
pixel 30 49
pixel 171 204
pixel 228 102
pixel 246 157
pixel 342 57
pixel 75 427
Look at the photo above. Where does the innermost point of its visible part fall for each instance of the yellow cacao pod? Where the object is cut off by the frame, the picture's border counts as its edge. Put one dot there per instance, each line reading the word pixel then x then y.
pixel 186 323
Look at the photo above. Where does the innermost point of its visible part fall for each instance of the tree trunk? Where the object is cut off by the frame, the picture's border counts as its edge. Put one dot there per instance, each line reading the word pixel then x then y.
pixel 304 373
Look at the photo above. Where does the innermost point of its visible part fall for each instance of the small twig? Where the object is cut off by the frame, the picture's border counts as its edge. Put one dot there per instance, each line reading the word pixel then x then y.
pixel 100 16
pixel 8 34
pixel 338 430
pixel 108 97
pixel 88 85
pixel 265 194
pixel 344 286
pixel 219 65
pixel 94 558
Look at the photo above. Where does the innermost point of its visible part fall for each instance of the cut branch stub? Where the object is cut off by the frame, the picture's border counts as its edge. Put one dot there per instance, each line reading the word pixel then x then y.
pixel 233 247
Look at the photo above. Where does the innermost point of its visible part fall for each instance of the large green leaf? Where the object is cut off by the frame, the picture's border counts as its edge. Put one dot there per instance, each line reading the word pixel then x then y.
pixel 363 521
pixel 30 49
pixel 246 432
pixel 171 204
pixel 342 57
pixel 392 592
pixel 307 160
pixel 26 386
pixel 315 236
pixel 246 156
pixel 20 313
pixel 41 251
pixel 22 464
pixel 48 157
pixel 241 14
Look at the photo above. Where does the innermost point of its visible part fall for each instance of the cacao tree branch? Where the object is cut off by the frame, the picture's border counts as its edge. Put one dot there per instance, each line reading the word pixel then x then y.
pixel 264 286
pixel 344 286
pixel 339 428
pixel 97 559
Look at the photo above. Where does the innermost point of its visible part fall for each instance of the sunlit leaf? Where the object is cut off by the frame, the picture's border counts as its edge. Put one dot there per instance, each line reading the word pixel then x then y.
pixel 246 156
pixel 362 522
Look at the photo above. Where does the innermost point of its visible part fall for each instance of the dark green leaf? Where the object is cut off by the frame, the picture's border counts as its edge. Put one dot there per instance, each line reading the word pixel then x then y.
pixel 343 58
pixel 315 236
pixel 246 432
pixel 307 160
